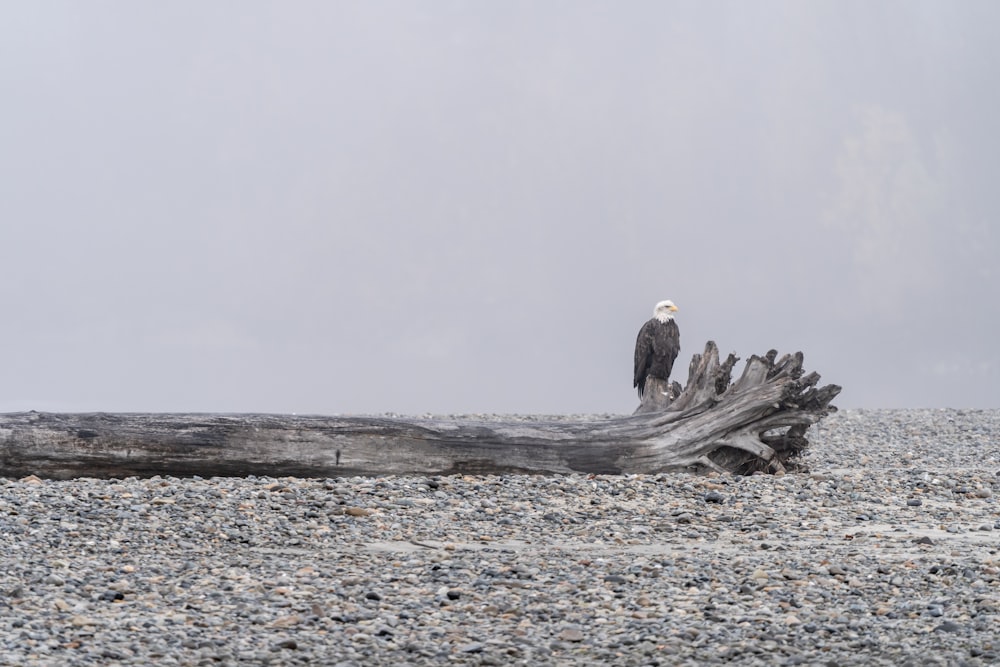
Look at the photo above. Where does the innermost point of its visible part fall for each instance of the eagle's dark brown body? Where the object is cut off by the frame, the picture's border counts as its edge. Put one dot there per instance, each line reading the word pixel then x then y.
pixel 656 348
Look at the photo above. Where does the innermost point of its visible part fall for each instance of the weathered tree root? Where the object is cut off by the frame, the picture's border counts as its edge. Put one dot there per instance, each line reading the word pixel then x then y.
pixel 758 422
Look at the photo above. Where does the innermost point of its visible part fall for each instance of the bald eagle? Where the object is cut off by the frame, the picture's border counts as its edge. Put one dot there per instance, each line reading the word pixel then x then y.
pixel 657 346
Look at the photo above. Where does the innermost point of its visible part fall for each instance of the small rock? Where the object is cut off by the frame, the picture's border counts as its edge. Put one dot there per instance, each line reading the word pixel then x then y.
pixel 948 626
pixel 714 497
pixel 914 502
pixel 287 621
pixel 357 511
pixel 571 635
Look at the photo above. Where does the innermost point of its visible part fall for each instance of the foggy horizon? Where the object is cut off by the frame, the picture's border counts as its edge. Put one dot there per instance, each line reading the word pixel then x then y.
pixel 370 207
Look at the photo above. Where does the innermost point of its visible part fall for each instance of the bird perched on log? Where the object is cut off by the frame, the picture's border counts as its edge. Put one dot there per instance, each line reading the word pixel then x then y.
pixel 657 346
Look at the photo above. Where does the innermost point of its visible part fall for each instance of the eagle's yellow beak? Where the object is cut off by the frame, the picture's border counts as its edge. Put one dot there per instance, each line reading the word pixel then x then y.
pixel 673 308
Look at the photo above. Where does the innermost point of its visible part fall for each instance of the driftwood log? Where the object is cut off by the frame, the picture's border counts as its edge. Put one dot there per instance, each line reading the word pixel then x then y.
pixel 756 423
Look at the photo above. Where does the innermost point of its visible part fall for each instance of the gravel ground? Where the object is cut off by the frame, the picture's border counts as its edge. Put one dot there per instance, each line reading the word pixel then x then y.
pixel 886 553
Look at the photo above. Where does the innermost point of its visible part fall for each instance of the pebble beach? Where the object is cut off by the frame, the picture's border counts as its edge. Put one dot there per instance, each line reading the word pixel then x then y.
pixel 885 551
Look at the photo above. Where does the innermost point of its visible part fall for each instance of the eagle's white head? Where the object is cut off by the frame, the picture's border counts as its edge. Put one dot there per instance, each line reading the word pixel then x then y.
pixel 664 310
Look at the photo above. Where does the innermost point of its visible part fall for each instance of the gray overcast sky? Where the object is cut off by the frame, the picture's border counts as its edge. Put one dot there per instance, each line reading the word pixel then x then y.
pixel 373 206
